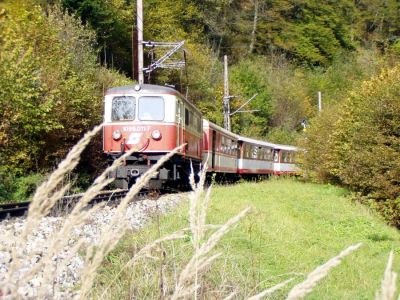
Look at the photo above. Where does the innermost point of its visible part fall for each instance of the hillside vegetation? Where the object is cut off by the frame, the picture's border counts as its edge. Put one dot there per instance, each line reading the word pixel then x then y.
pixel 58 57
pixel 292 228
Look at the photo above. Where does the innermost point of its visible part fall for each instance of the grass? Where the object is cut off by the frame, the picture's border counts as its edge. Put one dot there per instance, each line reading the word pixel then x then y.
pixel 293 227
pixel 286 246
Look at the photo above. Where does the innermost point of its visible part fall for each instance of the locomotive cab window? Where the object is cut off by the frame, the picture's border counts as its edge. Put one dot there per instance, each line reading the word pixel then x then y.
pixel 123 108
pixel 151 108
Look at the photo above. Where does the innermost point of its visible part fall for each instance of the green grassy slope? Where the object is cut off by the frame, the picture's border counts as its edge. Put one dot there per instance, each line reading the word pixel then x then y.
pixel 293 228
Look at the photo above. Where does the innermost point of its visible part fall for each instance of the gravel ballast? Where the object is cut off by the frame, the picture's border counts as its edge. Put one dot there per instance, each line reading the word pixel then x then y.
pixel 138 213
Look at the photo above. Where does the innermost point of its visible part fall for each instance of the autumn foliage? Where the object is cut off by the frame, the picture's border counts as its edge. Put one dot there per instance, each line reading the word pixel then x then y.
pixel 51 86
pixel 358 143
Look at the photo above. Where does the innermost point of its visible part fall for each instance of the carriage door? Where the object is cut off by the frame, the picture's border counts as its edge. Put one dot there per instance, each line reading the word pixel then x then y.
pixel 277 166
pixel 181 123
pixel 214 145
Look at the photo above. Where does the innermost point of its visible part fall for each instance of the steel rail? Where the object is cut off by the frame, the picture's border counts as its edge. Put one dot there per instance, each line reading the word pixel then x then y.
pixel 19 209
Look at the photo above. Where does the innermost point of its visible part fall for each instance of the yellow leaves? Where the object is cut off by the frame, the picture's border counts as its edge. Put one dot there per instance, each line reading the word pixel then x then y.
pixel 363 147
pixel 49 80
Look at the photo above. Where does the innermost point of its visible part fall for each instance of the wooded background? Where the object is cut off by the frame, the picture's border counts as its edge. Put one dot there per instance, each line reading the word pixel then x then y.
pixel 58 57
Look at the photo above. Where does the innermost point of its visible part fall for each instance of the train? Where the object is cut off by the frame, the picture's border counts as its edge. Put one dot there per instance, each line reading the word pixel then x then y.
pixel 153 120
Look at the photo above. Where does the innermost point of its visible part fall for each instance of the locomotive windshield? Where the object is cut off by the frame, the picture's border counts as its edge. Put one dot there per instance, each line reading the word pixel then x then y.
pixel 123 108
pixel 151 108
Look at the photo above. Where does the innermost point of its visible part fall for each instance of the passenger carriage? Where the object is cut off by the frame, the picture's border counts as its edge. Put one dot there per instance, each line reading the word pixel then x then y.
pixel 221 148
pixel 153 120
pixel 256 157
pixel 285 160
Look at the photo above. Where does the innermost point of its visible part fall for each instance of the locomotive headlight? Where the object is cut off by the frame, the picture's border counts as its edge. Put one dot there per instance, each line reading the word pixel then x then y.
pixel 116 135
pixel 156 134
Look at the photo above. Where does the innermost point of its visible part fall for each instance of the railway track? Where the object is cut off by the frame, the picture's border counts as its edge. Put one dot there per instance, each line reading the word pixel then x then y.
pixel 66 203
pixel 13 209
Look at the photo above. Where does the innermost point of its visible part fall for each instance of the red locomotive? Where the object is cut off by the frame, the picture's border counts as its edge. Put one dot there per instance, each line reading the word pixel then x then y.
pixel 155 119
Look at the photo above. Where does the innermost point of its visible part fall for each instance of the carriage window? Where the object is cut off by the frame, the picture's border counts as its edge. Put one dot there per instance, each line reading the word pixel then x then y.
pixel 196 123
pixel 255 151
pixel 229 146
pixel 234 147
pixel 193 121
pixel 283 156
pixel 200 124
pixel 276 155
pixel 290 157
pixel 187 117
pixel 123 108
pixel 269 154
pixel 266 154
pixel 151 108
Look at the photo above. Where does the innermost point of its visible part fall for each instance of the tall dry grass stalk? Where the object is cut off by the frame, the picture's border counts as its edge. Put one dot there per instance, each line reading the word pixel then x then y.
pixel 388 286
pixel 188 281
pixel 300 290
pixel 117 227
pixel 270 290
pixel 45 197
pixel 144 253
pixel 44 200
pixel 189 278
pixel 56 242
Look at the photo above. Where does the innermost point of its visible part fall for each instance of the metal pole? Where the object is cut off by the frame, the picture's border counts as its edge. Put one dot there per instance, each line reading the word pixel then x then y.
pixel 319 102
pixel 227 121
pixel 139 13
pixel 135 71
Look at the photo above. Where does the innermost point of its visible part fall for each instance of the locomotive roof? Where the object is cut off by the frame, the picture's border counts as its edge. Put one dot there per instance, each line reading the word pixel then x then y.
pixel 144 89
pixel 148 89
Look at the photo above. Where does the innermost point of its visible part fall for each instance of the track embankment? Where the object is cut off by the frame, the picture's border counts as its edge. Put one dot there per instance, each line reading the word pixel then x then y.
pixel 138 213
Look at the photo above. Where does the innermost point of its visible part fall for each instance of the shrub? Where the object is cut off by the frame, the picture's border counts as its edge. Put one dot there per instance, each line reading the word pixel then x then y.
pixel 317 142
pixel 15 189
pixel 51 86
pixel 358 143
pixel 26 186
pixel 366 148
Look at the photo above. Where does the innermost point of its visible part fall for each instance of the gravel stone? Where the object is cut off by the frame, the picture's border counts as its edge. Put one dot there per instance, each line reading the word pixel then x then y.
pixel 66 279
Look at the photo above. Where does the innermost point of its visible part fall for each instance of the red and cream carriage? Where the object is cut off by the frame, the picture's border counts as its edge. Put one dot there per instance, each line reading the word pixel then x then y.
pixel 285 160
pixel 220 146
pixel 256 157
pixel 153 120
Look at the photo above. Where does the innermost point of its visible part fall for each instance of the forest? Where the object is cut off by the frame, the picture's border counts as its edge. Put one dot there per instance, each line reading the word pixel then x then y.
pixel 57 57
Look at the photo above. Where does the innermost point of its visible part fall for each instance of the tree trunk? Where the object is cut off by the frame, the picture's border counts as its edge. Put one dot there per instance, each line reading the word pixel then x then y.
pixel 253 33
